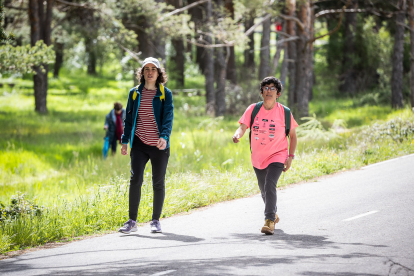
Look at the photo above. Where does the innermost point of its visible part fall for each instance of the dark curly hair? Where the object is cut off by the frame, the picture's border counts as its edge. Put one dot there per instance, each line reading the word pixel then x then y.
pixel 162 75
pixel 269 80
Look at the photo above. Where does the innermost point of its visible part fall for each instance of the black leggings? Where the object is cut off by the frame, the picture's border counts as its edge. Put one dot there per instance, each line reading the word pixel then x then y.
pixel 140 154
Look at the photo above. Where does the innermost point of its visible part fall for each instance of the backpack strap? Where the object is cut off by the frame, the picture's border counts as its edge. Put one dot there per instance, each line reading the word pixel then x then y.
pixel 134 96
pixel 162 97
pixel 253 116
pixel 287 119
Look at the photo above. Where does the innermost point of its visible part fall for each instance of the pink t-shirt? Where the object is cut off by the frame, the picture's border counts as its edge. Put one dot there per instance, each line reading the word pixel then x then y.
pixel 269 142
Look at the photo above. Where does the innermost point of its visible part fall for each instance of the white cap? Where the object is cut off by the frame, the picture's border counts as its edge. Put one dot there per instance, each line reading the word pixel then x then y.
pixel 151 60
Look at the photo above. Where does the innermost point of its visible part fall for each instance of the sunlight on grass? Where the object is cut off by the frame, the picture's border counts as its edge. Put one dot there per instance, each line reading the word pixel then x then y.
pixel 56 159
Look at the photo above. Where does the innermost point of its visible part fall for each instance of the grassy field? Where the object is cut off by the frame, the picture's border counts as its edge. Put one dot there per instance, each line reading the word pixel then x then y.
pixel 53 164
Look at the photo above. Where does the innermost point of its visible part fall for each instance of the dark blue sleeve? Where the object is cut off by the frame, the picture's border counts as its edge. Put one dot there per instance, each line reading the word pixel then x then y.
pixel 168 115
pixel 128 119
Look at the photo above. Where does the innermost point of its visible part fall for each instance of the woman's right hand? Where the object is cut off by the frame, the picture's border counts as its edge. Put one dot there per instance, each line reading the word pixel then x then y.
pixel 124 149
pixel 236 138
pixel 239 133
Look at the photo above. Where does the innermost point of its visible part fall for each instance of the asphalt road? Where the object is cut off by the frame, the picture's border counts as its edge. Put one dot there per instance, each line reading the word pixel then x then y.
pixel 354 223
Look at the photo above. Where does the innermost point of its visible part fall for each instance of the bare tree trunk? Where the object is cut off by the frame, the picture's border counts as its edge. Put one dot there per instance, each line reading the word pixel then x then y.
pixel 231 74
pixel 284 67
pixel 145 45
pixel 397 58
pixel 221 81
pixel 90 50
pixel 348 76
pixel 58 59
pixel 179 60
pixel 276 59
pixel 197 17
pixel 291 30
pixel 249 51
pixel 411 20
pixel 311 72
pixel 40 29
pixel 178 45
pixel 209 67
pixel 264 68
pixel 303 58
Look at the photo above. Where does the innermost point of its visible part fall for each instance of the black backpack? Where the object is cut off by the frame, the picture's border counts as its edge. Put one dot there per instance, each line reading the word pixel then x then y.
pixel 254 114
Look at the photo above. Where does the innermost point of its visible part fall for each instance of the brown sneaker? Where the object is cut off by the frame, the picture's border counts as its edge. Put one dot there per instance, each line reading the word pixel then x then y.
pixel 277 218
pixel 269 227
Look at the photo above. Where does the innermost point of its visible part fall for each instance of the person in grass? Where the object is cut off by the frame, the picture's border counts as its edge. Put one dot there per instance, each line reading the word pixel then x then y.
pixel 269 145
pixel 114 125
pixel 148 126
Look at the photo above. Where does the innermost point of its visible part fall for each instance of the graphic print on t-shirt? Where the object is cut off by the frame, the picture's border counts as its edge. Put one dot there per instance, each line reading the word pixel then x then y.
pixel 263 130
pixel 269 143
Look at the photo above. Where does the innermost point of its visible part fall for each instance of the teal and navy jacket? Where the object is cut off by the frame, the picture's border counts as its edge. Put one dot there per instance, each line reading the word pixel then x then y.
pixel 162 105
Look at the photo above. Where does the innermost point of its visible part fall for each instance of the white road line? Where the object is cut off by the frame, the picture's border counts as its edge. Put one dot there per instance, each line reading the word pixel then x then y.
pixel 162 273
pixel 361 215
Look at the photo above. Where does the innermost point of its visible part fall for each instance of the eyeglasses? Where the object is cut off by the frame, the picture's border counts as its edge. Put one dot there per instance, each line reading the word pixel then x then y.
pixel 267 88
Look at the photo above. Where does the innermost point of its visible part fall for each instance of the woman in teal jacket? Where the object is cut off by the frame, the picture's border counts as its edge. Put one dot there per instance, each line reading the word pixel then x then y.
pixel 148 125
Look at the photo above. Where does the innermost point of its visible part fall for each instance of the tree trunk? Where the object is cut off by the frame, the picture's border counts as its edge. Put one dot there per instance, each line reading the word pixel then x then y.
pixel 264 68
pixel 397 58
pixel 411 20
pixel 303 58
pixel 40 29
pixel 209 67
pixel 249 51
pixel 291 49
pixel 284 67
pixel 197 16
pixel 90 55
pixel 221 80
pixel 348 76
pixel 178 45
pixel 145 44
pixel 58 59
pixel 311 72
pixel 231 73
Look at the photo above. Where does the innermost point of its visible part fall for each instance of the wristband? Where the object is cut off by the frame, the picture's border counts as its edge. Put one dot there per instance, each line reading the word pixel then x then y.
pixel 291 155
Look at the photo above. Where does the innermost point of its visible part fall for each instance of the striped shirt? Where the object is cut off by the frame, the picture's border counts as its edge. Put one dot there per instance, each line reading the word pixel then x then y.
pixel 146 129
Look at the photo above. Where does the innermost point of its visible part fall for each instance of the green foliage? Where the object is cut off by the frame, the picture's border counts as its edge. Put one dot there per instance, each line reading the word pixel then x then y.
pixel 19 205
pixel 313 129
pixel 21 59
pixel 4 38
pixel 58 157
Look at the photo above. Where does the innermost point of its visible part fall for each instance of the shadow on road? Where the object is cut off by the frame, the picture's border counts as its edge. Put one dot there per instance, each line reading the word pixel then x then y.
pixel 219 266
pixel 297 241
pixel 167 236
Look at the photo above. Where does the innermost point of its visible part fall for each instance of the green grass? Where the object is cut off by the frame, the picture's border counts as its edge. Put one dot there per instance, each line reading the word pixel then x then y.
pixel 56 158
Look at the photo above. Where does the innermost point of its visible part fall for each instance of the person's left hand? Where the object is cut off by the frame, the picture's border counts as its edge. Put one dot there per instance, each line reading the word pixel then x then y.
pixel 288 163
pixel 161 144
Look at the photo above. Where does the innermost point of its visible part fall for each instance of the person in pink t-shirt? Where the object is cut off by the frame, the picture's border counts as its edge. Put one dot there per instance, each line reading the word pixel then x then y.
pixel 269 145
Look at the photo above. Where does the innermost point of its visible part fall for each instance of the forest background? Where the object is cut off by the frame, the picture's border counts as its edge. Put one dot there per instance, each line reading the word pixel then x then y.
pixel 346 67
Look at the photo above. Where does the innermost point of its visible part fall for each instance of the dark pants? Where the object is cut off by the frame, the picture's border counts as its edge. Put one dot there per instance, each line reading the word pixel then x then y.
pixel 113 145
pixel 140 154
pixel 267 180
